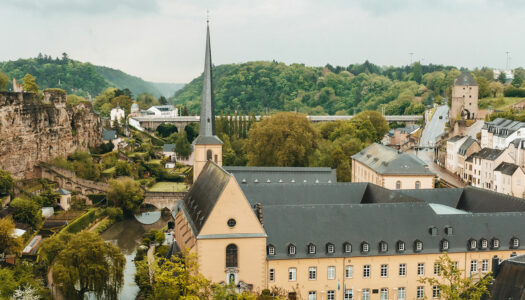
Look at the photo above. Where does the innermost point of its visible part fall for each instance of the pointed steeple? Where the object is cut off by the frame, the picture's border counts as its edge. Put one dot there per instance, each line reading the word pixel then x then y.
pixel 207 120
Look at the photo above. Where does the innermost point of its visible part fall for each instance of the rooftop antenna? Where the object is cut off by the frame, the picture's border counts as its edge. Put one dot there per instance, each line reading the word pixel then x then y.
pixel 207 16
pixel 507 66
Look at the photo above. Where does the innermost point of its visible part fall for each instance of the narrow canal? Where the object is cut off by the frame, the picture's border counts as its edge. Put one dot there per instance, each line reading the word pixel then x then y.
pixel 127 235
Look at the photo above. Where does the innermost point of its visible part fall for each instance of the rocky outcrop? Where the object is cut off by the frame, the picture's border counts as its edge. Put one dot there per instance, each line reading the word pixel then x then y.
pixel 34 129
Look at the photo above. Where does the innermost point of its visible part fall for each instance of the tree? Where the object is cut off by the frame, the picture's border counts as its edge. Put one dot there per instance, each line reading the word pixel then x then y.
pixel 179 278
pixel 163 100
pixel 29 84
pixel 192 131
pixel 378 121
pixel 126 194
pixel 517 81
pixel 502 77
pixel 6 182
pixel 484 87
pixel 53 246
pixel 452 283
pixel 182 146
pixel 4 81
pixel 8 243
pixel 166 129
pixel 89 264
pixel 417 72
pixel 48 196
pixel 284 139
pixel 26 211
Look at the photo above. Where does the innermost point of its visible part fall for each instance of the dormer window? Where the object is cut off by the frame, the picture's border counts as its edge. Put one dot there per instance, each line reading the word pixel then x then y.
pixel 330 248
pixel 256 180
pixel 400 246
pixel 514 243
pixel 271 250
pixel 383 246
pixel 433 230
pixel 347 247
pixel 444 245
pixel 291 249
pixel 448 230
pixel 311 249
pixel 365 247
pixel 472 244
pixel 418 246
pixel 244 180
pixel 495 243
pixel 484 244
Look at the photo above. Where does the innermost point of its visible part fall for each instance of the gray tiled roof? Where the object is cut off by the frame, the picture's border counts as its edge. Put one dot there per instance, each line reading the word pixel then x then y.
pixel 488 153
pixel 506 168
pixel 168 148
pixel 385 160
pixel 464 147
pixel 455 138
pixel 251 175
pixel 207 140
pixel 503 127
pixel 465 79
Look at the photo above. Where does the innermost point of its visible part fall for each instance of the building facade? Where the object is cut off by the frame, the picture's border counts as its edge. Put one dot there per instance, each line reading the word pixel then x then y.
pixel 391 169
pixel 117 115
pixel 464 98
pixel 453 145
pixel 499 133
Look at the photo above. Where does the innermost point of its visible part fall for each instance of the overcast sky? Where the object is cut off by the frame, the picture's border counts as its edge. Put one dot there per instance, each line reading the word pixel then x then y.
pixel 163 40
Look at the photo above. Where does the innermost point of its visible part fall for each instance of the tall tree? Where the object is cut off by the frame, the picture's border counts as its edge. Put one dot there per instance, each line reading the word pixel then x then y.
pixel 29 83
pixel 182 146
pixel 89 264
pixel 502 77
pixel 126 194
pixel 454 285
pixel 4 81
pixel 284 139
pixel 26 211
pixel 8 242
pixel 6 182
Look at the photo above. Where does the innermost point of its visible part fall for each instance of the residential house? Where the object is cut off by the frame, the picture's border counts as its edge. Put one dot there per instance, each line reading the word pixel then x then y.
pixel 163 111
pixel 516 151
pixel 117 115
pixel 499 133
pixel 468 147
pixel 65 199
pixel 453 144
pixel 509 179
pixel 483 165
pixel 391 169
pixel 400 136
pixel 168 150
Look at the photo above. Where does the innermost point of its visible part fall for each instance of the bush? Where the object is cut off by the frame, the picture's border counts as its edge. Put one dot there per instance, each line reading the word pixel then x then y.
pixel 115 213
pixel 162 250
pixel 26 211
pixel 511 91
pixel 82 222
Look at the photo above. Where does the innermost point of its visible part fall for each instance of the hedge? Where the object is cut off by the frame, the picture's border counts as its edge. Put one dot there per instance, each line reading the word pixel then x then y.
pixel 82 222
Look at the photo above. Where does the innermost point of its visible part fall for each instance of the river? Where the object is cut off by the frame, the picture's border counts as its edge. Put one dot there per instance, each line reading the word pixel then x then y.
pixel 127 235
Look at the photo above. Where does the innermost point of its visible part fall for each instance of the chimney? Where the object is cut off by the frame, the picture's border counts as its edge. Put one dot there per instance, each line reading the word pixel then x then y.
pixel 259 213
pixel 495 265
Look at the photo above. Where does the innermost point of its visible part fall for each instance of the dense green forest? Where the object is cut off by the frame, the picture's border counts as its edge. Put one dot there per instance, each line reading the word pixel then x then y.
pixel 83 79
pixel 264 87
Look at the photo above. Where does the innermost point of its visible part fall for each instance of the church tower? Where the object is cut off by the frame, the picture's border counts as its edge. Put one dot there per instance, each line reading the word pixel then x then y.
pixel 207 146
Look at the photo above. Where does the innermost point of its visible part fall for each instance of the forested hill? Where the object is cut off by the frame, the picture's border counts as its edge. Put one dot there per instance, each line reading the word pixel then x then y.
pixel 263 86
pixel 80 78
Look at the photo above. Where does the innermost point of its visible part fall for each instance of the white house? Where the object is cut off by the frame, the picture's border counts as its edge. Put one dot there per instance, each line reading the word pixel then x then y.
pixel 164 110
pixel 453 145
pixel 117 114
pixel 499 133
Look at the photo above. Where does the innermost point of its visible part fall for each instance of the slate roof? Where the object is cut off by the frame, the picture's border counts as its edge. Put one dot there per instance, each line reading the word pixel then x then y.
pixel 509 280
pixel 164 107
pixel 465 79
pixel 506 168
pixel 109 135
pixel 466 145
pixel 517 142
pixel 455 138
pixel 254 175
pixel 204 193
pixel 168 148
pixel 207 140
pixel 62 191
pixel 385 160
pixel 488 153
pixel 503 127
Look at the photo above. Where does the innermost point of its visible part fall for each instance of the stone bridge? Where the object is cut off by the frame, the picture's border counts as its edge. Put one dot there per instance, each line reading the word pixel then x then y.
pixel 163 199
pixel 68 180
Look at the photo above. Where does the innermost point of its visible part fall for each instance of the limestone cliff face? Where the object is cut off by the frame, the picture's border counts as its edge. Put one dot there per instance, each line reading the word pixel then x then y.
pixel 34 129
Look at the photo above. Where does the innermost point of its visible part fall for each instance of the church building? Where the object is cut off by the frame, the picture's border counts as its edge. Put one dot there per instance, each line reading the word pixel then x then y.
pixel 299 230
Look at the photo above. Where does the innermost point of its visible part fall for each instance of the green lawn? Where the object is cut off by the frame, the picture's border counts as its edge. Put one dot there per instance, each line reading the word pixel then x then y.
pixel 155 161
pixel 168 187
pixel 497 103
pixel 109 171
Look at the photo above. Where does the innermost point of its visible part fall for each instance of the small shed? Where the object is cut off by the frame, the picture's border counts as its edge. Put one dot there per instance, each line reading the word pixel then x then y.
pixel 65 199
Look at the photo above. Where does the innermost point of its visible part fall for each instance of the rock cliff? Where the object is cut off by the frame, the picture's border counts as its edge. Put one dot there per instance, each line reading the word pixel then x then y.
pixel 34 129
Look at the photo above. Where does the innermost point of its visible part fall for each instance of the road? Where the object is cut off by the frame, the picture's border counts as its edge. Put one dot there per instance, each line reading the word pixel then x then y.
pixel 427 155
pixel 435 127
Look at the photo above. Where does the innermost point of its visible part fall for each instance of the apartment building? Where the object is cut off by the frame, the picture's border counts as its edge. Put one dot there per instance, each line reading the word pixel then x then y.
pixel 499 133
pixel 483 164
pixel 509 179
pixel 453 145
pixel 469 147
pixel 389 168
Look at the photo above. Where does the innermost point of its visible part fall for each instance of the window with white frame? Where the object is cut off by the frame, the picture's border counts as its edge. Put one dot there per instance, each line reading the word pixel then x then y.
pixel 383 247
pixel 312 273
pixel 420 269
pixel 384 294
pixel 436 292
pixel 330 248
pixel 495 243
pixel 312 295
pixel 347 248
pixel 473 244
pixel 349 294
pixel 271 250
pixel 364 247
pixel 473 266
pixel 420 292
pixel 365 295
pixel 292 274
pixel 384 270
pixel 419 246
pixel 331 272
pixel 311 249
pixel 436 269
pixel 272 275
pixel 402 269
pixel 401 293
pixel 400 246
pixel 366 271
pixel 291 250
pixel 330 295
pixel 485 265
pixel 444 245
pixel 515 242
pixel 484 244
pixel 349 271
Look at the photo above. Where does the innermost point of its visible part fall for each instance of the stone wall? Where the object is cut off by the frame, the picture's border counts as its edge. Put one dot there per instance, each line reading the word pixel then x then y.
pixel 34 129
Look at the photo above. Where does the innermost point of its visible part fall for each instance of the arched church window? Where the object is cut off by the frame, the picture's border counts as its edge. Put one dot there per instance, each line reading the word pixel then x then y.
pixel 231 256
